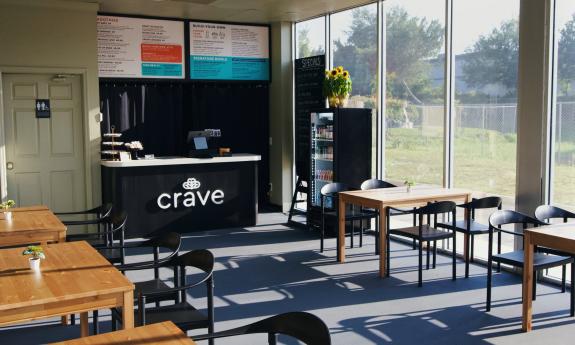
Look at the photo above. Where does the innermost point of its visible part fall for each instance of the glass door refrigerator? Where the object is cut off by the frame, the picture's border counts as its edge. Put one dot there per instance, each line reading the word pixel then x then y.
pixel 340 151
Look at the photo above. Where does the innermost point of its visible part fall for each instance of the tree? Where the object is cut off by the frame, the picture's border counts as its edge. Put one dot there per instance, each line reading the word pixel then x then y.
pixel 493 58
pixel 566 58
pixel 411 43
pixel 304 48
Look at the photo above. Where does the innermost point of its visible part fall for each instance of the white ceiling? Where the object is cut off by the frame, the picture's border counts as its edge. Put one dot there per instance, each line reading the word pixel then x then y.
pixel 257 11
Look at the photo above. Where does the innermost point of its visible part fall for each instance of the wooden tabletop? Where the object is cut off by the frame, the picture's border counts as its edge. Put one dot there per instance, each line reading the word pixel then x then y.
pixel 30 208
pixel 31 225
pixel 164 333
pixel 557 236
pixel 399 195
pixel 71 272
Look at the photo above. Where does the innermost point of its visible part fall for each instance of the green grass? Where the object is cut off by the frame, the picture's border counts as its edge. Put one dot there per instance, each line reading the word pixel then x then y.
pixel 484 160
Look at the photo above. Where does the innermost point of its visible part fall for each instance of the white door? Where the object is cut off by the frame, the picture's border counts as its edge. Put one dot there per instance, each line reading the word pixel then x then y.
pixel 44 156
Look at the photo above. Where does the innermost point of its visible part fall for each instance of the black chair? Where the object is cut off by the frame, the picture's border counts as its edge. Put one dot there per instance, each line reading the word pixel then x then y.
pixel 470 227
pixel 170 241
pixel 515 258
pixel 303 326
pixel 378 184
pixel 104 241
pixel 99 212
pixel 426 232
pixel 545 213
pixel 182 313
pixel 329 192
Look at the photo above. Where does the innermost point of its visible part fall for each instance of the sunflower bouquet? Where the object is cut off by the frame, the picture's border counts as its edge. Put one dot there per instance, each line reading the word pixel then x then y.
pixel 337 86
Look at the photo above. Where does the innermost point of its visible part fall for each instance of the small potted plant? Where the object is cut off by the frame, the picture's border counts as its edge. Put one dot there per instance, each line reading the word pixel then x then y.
pixel 5 207
pixel 37 254
pixel 409 183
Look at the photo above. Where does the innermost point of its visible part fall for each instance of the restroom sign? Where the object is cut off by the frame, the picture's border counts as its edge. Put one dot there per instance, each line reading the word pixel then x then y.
pixel 43 108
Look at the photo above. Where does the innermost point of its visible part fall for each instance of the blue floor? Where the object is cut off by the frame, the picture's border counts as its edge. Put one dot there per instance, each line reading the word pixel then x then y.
pixel 272 268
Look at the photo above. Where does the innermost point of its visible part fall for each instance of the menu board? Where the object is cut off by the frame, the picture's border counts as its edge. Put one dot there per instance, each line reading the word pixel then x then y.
pixel 229 52
pixel 309 75
pixel 140 48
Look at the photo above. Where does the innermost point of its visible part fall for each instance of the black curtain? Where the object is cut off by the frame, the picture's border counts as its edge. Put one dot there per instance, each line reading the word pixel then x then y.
pixel 148 112
pixel 241 111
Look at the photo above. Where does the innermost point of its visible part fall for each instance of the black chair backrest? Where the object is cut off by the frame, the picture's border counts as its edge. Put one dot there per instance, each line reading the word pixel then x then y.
pixel 546 212
pixel 504 217
pixel 202 259
pixel 170 240
pixel 331 189
pixel 375 184
pixel 118 220
pixel 104 210
pixel 436 208
pixel 303 326
pixel 487 202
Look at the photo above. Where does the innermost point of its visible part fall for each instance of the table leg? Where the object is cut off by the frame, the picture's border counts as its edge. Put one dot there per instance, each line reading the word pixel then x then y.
pixel 84 329
pixel 341 231
pixel 128 310
pixel 527 282
pixel 382 242
pixel 64 320
pixel 466 215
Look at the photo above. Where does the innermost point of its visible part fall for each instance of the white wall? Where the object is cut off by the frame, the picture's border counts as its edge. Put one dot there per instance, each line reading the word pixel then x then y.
pixel 57 37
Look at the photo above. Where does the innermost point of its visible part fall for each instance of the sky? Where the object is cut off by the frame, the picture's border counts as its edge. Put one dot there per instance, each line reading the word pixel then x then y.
pixel 471 18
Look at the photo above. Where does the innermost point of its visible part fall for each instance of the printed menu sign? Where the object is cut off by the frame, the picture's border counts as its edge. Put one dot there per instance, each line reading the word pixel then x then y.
pixel 140 48
pixel 229 52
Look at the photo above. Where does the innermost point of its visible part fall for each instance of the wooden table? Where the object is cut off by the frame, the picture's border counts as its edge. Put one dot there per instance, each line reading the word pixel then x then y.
pixel 558 236
pixel 74 278
pixel 381 199
pixel 164 333
pixel 33 224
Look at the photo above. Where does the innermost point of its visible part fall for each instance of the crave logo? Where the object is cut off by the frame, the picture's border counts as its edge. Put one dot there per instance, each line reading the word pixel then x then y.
pixel 191 196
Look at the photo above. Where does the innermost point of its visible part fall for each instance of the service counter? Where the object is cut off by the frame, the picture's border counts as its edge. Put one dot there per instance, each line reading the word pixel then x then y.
pixel 183 194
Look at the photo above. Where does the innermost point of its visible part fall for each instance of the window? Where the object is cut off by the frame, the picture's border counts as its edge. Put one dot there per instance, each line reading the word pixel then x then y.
pixel 354 46
pixel 563 169
pixel 485 48
pixel 414 99
pixel 310 37
pixel 564 141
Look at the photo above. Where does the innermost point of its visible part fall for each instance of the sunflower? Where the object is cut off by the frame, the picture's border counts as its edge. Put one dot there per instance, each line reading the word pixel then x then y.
pixel 333 72
pixel 345 74
pixel 339 69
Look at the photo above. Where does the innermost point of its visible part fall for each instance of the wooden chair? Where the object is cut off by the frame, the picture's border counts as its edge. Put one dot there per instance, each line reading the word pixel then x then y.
pixel 302 326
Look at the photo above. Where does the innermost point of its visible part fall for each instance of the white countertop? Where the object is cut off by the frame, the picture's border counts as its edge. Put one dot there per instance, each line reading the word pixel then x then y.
pixel 237 157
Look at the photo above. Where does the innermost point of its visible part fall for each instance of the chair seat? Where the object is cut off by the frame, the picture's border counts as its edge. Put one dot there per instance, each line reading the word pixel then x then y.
pixel 354 214
pixel 184 315
pixel 113 255
pixel 540 260
pixel 553 251
pixel 90 238
pixel 461 226
pixel 428 233
pixel 154 285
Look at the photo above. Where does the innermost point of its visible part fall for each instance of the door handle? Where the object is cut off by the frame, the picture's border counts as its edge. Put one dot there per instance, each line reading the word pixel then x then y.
pixel 9 165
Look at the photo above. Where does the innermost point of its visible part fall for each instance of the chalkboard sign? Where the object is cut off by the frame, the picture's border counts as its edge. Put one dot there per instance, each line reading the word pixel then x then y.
pixel 309 75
